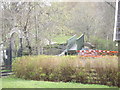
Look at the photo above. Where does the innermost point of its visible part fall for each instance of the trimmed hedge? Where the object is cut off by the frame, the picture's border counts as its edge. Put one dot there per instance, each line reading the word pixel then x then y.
pixel 102 70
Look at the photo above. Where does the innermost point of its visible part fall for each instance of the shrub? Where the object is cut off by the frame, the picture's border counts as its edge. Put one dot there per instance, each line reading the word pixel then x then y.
pixel 103 70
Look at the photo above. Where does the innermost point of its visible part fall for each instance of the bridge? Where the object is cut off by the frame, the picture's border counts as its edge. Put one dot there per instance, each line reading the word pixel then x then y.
pixel 73 44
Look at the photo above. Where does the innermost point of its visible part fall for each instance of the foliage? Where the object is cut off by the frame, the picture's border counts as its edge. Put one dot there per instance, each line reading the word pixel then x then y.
pixel 68 69
pixel 102 44
pixel 41 23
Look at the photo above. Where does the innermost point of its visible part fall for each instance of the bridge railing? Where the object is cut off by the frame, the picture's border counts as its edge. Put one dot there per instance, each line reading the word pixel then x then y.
pixel 71 42
pixel 80 42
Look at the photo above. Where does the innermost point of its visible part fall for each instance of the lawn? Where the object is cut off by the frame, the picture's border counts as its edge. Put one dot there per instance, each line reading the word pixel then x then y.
pixel 61 39
pixel 10 82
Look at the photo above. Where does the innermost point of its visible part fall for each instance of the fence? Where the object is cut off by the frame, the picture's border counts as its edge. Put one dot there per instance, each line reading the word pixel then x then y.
pixel 95 53
pixel 5 70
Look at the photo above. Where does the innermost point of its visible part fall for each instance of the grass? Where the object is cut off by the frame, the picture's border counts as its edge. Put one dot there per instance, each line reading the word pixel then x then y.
pixel 11 82
pixel 61 39
pixel 5 70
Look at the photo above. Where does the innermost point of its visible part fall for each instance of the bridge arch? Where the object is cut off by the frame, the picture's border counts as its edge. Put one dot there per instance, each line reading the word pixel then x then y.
pixel 9 50
pixel 17 31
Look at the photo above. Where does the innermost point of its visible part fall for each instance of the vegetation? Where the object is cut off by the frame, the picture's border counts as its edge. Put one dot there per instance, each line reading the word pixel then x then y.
pixel 41 23
pixel 103 70
pixel 102 44
pixel 11 82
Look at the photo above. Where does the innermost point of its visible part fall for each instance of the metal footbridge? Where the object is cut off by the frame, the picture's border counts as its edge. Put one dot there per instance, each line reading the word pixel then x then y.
pixel 73 44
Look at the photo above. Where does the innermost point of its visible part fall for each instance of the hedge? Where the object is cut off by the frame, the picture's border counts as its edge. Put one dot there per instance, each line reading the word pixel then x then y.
pixel 102 70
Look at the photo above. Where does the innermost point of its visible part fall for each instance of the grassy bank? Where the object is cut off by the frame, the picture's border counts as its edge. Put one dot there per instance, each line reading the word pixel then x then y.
pixel 10 82
pixel 61 39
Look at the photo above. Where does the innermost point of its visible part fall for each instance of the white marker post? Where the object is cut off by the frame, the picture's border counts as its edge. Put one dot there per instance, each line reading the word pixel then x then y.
pixel 116 37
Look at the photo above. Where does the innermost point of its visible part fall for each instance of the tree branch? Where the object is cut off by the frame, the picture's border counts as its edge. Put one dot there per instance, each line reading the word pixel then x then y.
pixel 110 4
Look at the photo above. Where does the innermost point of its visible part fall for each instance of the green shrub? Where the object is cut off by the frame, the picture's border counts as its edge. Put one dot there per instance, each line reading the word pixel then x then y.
pixel 103 70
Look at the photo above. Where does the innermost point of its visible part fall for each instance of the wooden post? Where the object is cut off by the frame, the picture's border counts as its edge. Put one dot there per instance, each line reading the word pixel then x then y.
pixel 21 47
pixel 119 63
pixel 9 54
pixel 119 48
